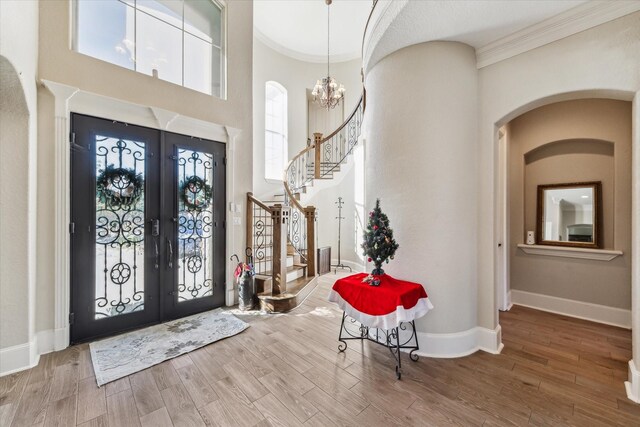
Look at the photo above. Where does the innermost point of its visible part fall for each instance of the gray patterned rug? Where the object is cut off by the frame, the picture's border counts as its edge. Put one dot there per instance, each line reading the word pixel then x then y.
pixel 119 356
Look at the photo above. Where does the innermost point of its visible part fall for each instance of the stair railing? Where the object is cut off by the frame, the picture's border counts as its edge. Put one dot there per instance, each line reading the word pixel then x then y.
pixel 260 229
pixel 333 150
pixel 266 238
pixel 328 153
pixel 319 160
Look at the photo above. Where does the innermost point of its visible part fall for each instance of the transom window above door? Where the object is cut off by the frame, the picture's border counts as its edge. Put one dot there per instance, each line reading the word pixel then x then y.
pixel 180 41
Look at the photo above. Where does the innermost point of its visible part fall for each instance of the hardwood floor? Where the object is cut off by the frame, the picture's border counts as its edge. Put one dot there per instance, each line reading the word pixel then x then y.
pixel 285 371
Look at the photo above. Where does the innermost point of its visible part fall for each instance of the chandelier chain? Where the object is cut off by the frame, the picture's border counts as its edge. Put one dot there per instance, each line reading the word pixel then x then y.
pixel 327 92
pixel 328 37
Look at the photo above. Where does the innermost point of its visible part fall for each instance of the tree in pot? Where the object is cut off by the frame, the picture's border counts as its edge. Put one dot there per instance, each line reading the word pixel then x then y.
pixel 379 245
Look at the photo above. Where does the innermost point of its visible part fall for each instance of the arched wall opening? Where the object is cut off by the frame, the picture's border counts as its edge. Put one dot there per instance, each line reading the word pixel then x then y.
pixel 15 260
pixel 626 196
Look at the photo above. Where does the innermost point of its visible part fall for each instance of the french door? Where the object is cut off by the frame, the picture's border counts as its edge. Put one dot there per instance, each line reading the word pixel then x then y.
pixel 147 231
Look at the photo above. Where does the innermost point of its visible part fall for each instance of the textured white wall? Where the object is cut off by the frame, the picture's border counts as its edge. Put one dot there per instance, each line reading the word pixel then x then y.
pixel 18 139
pixel 421 162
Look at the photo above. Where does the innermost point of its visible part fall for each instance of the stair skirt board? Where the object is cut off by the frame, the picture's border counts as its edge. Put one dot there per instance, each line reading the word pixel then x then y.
pixel 289 300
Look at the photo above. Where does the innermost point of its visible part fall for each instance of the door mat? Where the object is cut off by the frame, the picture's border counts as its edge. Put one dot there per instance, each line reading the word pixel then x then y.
pixel 125 354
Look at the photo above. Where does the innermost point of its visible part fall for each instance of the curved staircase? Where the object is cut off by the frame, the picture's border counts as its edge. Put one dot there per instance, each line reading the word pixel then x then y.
pixel 282 234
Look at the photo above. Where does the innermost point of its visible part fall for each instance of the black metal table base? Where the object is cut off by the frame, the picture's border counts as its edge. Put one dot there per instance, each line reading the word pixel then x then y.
pixel 387 338
pixel 342 267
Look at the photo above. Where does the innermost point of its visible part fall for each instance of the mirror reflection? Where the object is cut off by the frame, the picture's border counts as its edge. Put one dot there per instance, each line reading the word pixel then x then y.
pixel 568 214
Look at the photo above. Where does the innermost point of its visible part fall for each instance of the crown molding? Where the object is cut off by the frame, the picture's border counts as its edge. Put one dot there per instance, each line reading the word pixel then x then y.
pixel 304 57
pixel 575 20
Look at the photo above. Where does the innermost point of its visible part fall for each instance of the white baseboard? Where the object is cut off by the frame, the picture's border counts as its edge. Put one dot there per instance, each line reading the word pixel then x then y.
pixel 578 309
pixel 633 385
pixel 231 297
pixel 460 344
pixel 357 268
pixel 27 355
pixel 52 340
pixel 18 358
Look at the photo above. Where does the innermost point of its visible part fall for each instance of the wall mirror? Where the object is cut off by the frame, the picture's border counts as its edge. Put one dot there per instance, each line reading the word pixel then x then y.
pixel 569 214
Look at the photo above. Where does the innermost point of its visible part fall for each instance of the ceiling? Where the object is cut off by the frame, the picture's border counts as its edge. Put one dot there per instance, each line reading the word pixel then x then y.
pixel 298 28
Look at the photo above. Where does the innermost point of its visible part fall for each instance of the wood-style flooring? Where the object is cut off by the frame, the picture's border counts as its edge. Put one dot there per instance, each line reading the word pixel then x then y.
pixel 285 371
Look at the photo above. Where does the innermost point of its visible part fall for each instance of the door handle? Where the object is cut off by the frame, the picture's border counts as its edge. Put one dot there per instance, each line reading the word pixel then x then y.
pixel 170 249
pixel 155 241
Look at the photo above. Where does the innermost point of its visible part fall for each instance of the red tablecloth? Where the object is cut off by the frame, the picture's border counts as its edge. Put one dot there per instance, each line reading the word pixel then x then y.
pixel 383 306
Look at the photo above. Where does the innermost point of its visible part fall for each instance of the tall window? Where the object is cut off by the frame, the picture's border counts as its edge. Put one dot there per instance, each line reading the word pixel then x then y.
pixel 275 134
pixel 180 41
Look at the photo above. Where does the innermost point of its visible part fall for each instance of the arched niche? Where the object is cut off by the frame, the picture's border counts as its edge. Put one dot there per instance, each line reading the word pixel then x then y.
pixel 14 209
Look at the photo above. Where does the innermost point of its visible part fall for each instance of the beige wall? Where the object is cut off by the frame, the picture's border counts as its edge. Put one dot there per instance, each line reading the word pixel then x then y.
pixel 18 140
pixel 601 62
pixel 573 141
pixel 58 63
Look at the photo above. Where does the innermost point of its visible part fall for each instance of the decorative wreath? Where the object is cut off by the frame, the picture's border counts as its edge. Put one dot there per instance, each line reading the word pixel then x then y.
pixel 195 193
pixel 119 186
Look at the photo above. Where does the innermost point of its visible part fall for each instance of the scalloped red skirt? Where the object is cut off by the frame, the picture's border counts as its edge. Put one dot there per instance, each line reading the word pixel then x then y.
pixel 384 306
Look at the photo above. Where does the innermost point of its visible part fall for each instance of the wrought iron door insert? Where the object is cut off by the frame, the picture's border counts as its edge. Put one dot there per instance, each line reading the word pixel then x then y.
pixel 130 209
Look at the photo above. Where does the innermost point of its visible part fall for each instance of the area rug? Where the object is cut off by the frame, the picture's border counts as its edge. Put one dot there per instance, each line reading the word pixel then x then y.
pixel 123 355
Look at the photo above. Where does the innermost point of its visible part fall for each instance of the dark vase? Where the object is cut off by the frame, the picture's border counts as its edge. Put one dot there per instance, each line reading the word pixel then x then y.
pixel 378 271
pixel 246 291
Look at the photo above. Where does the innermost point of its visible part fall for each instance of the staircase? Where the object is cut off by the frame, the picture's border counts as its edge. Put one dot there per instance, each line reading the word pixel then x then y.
pixel 281 234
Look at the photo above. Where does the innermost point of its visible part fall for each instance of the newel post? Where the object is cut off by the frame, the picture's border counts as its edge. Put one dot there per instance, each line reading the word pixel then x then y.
pixel 317 137
pixel 280 218
pixel 310 214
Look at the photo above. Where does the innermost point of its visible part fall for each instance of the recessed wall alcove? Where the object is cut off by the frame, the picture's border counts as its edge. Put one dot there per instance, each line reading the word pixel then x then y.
pixel 568 142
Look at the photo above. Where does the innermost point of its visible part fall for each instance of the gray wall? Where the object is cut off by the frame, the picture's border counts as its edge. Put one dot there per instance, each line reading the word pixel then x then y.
pixel 573 141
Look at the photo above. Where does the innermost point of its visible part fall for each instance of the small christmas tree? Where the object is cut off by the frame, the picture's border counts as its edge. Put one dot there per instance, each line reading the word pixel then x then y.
pixel 378 244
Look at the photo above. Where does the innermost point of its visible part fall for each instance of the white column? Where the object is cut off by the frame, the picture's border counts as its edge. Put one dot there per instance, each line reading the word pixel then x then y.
pixel 234 205
pixel 633 384
pixel 62 94
pixel 422 144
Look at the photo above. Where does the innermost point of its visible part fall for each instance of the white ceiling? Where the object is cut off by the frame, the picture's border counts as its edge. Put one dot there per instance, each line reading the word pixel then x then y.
pixel 298 28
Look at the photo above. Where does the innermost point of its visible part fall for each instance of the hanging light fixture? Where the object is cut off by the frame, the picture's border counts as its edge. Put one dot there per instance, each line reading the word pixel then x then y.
pixel 327 93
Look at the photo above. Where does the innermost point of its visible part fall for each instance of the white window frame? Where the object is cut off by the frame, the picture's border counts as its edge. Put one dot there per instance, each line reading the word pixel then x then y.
pixel 222 4
pixel 276 176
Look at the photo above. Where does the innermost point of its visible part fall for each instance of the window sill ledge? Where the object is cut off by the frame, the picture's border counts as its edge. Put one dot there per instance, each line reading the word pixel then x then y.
pixel 564 252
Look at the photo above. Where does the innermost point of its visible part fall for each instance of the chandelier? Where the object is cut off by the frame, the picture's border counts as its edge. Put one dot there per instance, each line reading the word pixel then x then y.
pixel 327 92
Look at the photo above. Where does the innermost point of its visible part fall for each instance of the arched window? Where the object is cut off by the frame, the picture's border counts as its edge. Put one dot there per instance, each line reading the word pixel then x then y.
pixel 275 131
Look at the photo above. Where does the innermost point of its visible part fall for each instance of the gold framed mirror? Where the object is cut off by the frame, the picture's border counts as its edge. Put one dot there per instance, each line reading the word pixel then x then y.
pixel 569 215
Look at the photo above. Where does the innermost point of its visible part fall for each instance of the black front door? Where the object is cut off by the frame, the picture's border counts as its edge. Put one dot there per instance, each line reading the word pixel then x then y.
pixel 148 239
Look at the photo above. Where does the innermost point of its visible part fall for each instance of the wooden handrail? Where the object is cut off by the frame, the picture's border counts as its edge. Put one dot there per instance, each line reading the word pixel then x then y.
pixel 296 157
pixel 258 202
pixel 292 199
pixel 362 101
pixel 364 35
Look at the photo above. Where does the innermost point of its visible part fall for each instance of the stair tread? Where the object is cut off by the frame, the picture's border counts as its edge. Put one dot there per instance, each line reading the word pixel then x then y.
pixel 293 288
pixel 294 267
